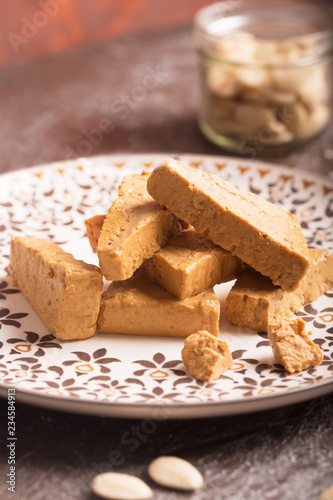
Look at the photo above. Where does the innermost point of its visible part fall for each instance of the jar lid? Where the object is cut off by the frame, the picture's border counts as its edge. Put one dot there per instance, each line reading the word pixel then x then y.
pixel 264 32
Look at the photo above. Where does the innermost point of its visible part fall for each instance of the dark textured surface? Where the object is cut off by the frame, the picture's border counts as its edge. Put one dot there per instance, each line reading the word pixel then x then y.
pixel 47 107
pixel 277 454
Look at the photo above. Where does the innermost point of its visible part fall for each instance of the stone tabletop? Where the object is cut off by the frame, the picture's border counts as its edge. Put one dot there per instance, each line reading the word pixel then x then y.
pixel 141 95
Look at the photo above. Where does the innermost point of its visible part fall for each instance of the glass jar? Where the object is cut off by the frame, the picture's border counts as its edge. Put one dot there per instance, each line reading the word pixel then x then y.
pixel 266 73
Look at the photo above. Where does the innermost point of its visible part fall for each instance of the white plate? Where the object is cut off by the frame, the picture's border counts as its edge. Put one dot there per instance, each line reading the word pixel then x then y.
pixel 144 377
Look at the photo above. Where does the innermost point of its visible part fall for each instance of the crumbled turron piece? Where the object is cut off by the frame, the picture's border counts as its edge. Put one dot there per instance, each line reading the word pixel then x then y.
pixel 189 263
pixel 292 347
pixel 327 494
pixel 64 291
pixel 255 302
pixel 206 357
pixel 134 228
pixel 137 306
pixel 118 486
pixel 261 234
pixel 93 228
pixel 175 472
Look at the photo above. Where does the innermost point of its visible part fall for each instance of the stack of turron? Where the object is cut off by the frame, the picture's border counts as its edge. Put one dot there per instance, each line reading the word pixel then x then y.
pixel 168 238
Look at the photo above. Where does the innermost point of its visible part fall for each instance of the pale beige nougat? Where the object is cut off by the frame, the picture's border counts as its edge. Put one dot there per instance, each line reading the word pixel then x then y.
pixel 292 347
pixel 186 265
pixel 189 263
pixel 255 302
pixel 131 185
pixel 137 306
pixel 93 228
pixel 205 356
pixel 261 234
pixel 134 228
pixel 65 292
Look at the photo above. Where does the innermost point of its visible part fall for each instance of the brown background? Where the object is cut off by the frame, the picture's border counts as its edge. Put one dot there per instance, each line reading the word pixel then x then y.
pixel 62 24
pixel 47 103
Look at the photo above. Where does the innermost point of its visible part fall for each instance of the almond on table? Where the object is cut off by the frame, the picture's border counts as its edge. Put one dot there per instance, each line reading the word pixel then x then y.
pixel 64 291
pixel 120 486
pixel 261 234
pixel 175 472
pixel 255 302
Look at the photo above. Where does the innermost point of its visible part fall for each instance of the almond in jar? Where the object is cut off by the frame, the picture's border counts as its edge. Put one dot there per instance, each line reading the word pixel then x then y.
pixel 266 73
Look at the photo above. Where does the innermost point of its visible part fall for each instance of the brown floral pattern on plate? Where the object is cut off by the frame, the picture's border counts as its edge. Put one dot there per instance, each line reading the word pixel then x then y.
pixel 53 201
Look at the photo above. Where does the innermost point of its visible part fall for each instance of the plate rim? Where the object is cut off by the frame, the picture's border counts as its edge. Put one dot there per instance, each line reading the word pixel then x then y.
pixel 174 411
pixel 250 161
